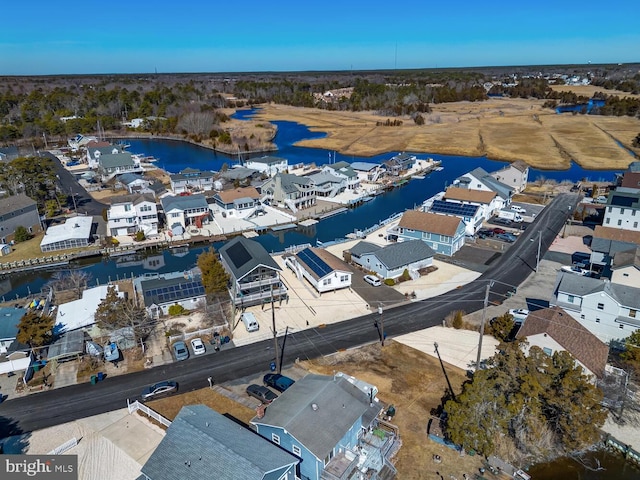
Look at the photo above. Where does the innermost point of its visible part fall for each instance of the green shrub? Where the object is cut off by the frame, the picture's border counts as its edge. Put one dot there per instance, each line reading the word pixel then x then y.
pixel 21 234
pixel 175 310
pixel 389 281
pixel 140 236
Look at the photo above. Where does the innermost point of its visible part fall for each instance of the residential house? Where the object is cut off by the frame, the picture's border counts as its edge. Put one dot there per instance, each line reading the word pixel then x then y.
pixel 268 165
pixel 480 179
pixel 80 313
pixel 182 211
pixel 514 175
pixel 254 275
pixel 607 241
pixel 239 176
pixel 130 214
pixel 191 180
pixel 630 178
pixel 80 141
pixel 625 269
pixel 368 172
pixel 554 330
pixel 443 233
pixel 470 214
pixel 606 309
pixel 623 209
pixel 391 261
pixel 329 423
pixel 18 211
pixel 327 185
pixel 74 232
pixel 95 150
pixel 399 163
pixel 289 191
pixel 9 320
pixel 133 183
pixel 162 292
pixel 9 153
pixel 344 171
pixel 320 268
pixel 488 200
pixel 111 165
pixel 239 202
pixel 201 443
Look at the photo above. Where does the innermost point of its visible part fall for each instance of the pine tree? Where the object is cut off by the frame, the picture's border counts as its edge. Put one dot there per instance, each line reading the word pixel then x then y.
pixel 214 277
pixel 34 329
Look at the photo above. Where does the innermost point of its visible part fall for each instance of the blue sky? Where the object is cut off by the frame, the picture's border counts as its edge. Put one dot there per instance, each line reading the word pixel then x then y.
pixel 139 36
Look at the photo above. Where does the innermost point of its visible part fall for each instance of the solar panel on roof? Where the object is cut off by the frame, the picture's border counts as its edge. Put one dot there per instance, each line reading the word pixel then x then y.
pixel 451 208
pixel 315 263
pixel 238 254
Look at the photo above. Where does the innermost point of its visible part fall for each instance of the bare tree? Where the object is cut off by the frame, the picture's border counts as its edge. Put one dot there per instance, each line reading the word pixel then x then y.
pixel 74 280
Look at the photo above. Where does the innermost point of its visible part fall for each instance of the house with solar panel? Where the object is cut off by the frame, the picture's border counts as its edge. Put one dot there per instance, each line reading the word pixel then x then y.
pixel 391 261
pixel 321 269
pixel 201 443
pixel 623 209
pixel 487 200
pixel 443 233
pixel 268 165
pixel 162 292
pixel 191 180
pixel 470 214
pixel 253 275
pixel 182 211
pixel 480 179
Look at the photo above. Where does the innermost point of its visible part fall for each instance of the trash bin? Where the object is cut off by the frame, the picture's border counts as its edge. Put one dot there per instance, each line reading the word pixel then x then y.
pixel 272 366
pixel 36 366
pixel 94 379
pixel 100 376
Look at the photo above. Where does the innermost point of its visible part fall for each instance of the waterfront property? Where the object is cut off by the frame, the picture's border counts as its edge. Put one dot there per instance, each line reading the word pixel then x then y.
pixel 443 233
pixel 94 150
pixel 254 275
pixel 9 319
pixel 320 268
pixel 80 313
pixel 472 215
pixel 191 180
pixel 74 232
pixel 111 165
pixel 514 175
pixel 289 191
pixel 239 202
pixel 18 211
pixel 623 209
pixel 130 214
pixel 182 211
pixel 368 172
pixel 164 291
pixel 391 261
pixel 348 175
pixel 480 179
pixel 487 200
pixel 331 423
pixel 399 163
pixel 268 165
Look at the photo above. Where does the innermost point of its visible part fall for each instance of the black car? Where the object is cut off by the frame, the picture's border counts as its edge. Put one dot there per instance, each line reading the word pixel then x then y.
pixel 261 393
pixel 503 221
pixel 485 233
pixel 277 381
pixel 158 390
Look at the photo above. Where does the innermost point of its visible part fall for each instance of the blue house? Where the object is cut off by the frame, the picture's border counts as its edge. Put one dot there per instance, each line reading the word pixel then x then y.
pixel 391 261
pixel 443 233
pixel 332 424
pixel 201 443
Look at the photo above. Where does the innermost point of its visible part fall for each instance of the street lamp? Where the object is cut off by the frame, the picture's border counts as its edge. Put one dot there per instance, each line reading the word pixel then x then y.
pixel 564 231
pixel 539 245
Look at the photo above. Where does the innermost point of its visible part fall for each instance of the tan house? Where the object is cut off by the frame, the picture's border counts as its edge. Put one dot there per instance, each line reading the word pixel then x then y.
pixel 625 269
pixel 514 175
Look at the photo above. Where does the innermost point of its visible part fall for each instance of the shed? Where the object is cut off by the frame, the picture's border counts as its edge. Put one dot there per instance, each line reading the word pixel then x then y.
pixel 68 346
pixel 4 249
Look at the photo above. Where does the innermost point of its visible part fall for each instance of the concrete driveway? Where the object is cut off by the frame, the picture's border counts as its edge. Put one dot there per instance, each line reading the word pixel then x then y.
pixel 66 374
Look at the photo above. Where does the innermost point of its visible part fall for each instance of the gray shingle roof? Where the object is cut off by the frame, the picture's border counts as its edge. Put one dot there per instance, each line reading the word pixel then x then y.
pixel 190 173
pixel 14 203
pixel 9 319
pixel 364 166
pixel 269 160
pixel 625 295
pixel 134 198
pixel 401 254
pixel 242 256
pixel 578 285
pixel 240 173
pixel 201 443
pixel 116 160
pixel 289 182
pixel 187 202
pixel 129 178
pixel 363 247
pixel 338 406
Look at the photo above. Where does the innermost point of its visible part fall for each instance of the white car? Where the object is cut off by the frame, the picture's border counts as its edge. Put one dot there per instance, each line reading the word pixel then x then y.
pixel 372 280
pixel 518 209
pixel 197 346
pixel 519 314
pixel 574 269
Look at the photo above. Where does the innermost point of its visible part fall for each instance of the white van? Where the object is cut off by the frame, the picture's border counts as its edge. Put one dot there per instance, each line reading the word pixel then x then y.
pixel 517 208
pixel 250 322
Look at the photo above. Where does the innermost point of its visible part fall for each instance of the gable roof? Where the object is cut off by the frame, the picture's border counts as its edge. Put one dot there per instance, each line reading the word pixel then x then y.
pixel 201 443
pixel 631 180
pixel 228 196
pixel 331 262
pixel 614 235
pixel 239 173
pixel 190 173
pixel 268 160
pixel 186 202
pixel 113 160
pixel 242 255
pixel 482 175
pixel 520 165
pixel 363 247
pixel 364 166
pixel 288 181
pixel 15 203
pixel 128 178
pixel 583 345
pixel 469 195
pixel 134 198
pixel 319 410
pixel 400 254
pixel 578 285
pixel 430 222
pixel 626 258
pixel 162 290
pixel 9 319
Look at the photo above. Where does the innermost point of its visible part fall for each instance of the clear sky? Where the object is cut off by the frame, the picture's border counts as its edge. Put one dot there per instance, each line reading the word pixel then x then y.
pixel 141 36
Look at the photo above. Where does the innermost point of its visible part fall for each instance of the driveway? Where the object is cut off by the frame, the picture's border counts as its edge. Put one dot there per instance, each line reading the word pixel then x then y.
pixel 374 296
pixel 66 374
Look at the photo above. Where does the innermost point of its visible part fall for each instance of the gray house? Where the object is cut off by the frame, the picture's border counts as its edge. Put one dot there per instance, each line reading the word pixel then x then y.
pixel 15 211
pixel 392 260
pixel 287 190
pixel 191 180
pixel 200 443
pixel 161 293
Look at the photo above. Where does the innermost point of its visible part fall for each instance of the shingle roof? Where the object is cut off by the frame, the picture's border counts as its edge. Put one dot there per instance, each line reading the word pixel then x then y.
pixel 430 222
pixel 583 345
pixel 624 294
pixel 616 234
pixel 186 202
pixel 324 177
pixel 626 258
pixel 9 319
pixel 190 173
pixel 134 198
pixel 631 180
pixel 363 247
pixel 405 253
pixel 338 406
pixel 520 165
pixel 364 166
pixel 128 178
pixel 239 173
pixel 14 203
pixel 228 196
pixel 469 195
pixel 578 285
pixel 267 160
pixel 201 443
pixel 243 255
pixel 116 160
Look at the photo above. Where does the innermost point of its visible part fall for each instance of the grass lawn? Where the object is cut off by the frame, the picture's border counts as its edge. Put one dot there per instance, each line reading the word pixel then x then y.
pixel 31 249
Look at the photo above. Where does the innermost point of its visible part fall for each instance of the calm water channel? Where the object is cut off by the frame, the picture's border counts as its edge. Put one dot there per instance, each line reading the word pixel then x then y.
pixel 174 156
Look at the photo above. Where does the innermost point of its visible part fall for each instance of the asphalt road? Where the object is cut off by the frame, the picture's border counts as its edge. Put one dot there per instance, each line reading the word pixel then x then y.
pixel 63 405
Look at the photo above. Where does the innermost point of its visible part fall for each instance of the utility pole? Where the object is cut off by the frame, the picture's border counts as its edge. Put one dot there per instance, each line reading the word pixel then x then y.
pixel 446 377
pixel 381 325
pixel 484 318
pixel 276 348
pixel 539 246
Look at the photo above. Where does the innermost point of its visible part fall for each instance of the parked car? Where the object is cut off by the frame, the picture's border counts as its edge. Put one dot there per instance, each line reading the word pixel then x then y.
pixel 485 232
pixel 158 390
pixel 574 269
pixel 600 199
pixel 503 221
pixel 197 346
pixel 519 314
pixel 261 393
pixel 372 280
pixel 498 231
pixel 518 209
pixel 180 351
pixel 507 237
pixel 277 381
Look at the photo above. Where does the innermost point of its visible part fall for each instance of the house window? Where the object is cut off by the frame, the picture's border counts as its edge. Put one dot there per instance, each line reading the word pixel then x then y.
pixel 601 306
pixel 547 351
pixel 607 220
pixel 326 281
pixel 344 278
pixel 633 213
pixel 632 313
pixel 610 209
pixel 621 326
pixel 570 298
pixel 622 211
pixel 127 208
pixel 619 222
pixel 597 320
pixel 175 215
pixel 635 224
pixel 275 438
pixel 328 458
pixel 296 450
pixel 582 317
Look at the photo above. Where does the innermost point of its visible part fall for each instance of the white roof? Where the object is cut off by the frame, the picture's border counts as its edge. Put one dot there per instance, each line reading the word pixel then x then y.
pixel 76 227
pixel 80 313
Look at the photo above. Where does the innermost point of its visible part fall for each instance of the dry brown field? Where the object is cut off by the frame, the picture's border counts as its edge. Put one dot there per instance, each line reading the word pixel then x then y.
pixel 590 90
pixel 502 129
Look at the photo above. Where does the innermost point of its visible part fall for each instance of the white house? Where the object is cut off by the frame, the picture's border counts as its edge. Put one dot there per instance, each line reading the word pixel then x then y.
pixel 471 214
pixel 625 269
pixel 608 310
pixel 514 175
pixel 181 212
pixel 80 313
pixel 487 200
pixel 320 268
pixel 392 260
pixel 95 152
pixel 344 171
pixel 623 209
pixel 239 202
pixel 268 165
pixel 74 232
pixel 130 214
pixel 191 180
pixel 480 179
pixel 160 293
pixel 368 172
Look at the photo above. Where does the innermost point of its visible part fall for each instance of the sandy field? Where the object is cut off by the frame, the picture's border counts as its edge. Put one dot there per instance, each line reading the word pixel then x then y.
pixel 499 128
